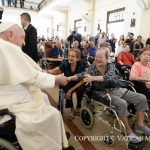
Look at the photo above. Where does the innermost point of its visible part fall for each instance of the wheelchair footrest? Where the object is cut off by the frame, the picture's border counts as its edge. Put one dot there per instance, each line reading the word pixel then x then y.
pixel 137 146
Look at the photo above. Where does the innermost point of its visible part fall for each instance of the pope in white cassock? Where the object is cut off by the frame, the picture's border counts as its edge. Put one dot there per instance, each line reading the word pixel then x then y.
pixel 38 126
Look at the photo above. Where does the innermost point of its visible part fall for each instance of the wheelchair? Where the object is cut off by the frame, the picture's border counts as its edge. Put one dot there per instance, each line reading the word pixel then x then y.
pixel 107 115
pixel 123 71
pixel 8 140
pixel 43 63
pixel 141 88
pixel 60 105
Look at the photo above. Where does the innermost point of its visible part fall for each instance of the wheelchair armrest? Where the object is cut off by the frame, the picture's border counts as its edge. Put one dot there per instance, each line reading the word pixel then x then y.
pixel 125 83
pixel 123 66
pixel 138 83
pixel 104 99
pixel 6 112
pixel 141 87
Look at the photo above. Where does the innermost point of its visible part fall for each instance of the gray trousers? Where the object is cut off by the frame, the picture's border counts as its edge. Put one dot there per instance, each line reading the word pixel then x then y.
pixel 121 103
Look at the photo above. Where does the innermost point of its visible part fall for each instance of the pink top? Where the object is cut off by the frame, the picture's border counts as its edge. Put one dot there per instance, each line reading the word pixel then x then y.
pixel 139 70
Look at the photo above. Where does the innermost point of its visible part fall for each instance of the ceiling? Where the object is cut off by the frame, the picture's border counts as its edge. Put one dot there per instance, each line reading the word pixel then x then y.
pixel 47 5
pixel 67 3
pixel 59 5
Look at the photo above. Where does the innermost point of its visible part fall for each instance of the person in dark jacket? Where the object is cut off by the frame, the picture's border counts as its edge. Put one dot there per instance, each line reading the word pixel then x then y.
pixel 148 43
pixel 74 36
pixel 22 3
pixel 30 47
pixel 112 42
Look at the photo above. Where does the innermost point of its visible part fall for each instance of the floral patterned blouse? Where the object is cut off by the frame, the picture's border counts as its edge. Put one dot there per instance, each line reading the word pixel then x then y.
pixel 110 83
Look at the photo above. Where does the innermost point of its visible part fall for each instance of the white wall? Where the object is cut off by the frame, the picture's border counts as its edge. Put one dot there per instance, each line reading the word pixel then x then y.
pixel 41 22
pixel 132 6
pixel 76 12
pixel 53 18
pixel 145 24
pixel 58 19
pixel 101 9
pixel 103 6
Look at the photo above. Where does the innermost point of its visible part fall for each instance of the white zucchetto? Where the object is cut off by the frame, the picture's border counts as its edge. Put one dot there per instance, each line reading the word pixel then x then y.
pixel 6 25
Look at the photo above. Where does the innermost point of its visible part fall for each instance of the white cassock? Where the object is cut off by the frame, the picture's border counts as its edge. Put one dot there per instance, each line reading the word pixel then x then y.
pixel 38 126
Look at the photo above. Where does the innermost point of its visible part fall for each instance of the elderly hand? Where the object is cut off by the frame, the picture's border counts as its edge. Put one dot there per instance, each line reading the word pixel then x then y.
pixel 68 79
pixel 88 78
pixel 61 79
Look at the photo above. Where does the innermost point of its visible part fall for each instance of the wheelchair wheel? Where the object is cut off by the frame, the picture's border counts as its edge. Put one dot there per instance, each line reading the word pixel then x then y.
pixel 108 139
pixel 6 145
pixel 87 118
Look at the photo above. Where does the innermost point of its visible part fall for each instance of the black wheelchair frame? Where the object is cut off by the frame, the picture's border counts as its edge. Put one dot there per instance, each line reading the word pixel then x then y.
pixel 8 140
pixel 104 102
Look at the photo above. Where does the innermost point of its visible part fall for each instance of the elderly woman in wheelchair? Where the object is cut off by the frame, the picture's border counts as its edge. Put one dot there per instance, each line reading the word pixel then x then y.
pixel 103 76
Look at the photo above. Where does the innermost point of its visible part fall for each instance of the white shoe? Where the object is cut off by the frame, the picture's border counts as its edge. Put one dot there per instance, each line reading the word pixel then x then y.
pixel 134 138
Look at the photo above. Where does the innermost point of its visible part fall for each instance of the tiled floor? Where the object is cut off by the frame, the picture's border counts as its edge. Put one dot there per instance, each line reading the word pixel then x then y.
pixel 99 129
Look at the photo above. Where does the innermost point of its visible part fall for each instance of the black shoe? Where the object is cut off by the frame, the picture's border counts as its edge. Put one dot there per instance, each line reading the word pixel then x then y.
pixel 67 135
pixel 69 148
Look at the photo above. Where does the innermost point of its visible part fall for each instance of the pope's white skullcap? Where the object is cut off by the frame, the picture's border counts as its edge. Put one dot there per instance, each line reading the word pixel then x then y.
pixel 6 25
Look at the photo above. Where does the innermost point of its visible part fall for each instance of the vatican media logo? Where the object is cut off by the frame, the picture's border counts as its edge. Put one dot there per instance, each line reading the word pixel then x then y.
pixel 107 137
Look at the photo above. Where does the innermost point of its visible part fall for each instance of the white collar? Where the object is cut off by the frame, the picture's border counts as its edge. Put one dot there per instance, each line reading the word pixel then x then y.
pixel 26 27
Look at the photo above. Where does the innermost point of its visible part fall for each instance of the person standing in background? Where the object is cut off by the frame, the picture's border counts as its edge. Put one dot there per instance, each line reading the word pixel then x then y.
pixel 138 46
pixel 147 43
pixel 14 2
pixel 120 45
pixel 130 40
pixel 9 3
pixel 30 47
pixel 112 42
pixel 3 3
pixel 74 36
pixel 22 3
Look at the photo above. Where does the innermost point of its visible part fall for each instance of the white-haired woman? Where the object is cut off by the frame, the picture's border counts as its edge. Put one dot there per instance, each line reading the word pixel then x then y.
pixel 103 76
